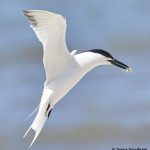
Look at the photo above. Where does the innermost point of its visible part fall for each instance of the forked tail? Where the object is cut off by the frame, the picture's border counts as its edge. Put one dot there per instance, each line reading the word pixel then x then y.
pixel 42 115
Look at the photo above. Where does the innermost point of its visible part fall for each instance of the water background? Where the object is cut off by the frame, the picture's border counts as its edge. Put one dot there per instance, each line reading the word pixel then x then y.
pixel 108 108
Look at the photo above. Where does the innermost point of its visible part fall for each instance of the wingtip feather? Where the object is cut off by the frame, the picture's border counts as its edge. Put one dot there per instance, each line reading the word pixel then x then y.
pixel 25 12
pixel 32 113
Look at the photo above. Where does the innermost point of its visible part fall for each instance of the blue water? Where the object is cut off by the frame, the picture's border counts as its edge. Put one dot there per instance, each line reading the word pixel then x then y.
pixel 108 108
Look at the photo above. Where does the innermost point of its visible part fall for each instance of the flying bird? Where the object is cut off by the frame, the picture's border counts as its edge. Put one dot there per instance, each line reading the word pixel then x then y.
pixel 63 69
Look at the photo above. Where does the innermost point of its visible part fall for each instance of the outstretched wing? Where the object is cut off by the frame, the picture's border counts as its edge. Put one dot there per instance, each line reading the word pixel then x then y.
pixel 50 29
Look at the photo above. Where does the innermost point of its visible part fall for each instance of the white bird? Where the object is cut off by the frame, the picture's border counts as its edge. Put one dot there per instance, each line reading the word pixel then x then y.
pixel 63 69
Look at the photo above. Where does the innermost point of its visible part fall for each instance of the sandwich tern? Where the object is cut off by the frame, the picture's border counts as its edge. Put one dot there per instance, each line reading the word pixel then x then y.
pixel 63 69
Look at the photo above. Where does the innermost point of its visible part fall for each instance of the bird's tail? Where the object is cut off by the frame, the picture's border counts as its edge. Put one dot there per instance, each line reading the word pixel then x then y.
pixel 41 117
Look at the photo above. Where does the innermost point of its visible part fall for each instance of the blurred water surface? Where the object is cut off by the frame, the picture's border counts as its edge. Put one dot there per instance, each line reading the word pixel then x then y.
pixel 107 108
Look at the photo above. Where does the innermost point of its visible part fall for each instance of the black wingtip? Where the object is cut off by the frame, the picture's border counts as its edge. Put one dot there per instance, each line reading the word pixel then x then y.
pixel 49 113
pixel 31 18
pixel 26 12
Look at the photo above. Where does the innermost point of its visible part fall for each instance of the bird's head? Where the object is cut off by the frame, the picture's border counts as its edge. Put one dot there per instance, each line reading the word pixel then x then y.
pixel 107 59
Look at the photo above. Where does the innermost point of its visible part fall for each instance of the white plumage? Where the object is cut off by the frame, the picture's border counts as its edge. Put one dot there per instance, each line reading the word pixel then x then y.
pixel 63 69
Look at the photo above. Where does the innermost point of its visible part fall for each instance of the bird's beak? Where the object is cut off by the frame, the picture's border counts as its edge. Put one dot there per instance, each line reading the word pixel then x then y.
pixel 121 65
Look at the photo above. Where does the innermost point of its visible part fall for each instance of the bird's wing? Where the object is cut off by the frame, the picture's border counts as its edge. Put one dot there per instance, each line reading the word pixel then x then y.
pixel 50 29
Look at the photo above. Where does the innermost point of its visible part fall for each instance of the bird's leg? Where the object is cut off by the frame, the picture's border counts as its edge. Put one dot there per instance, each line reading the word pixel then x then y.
pixel 48 111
